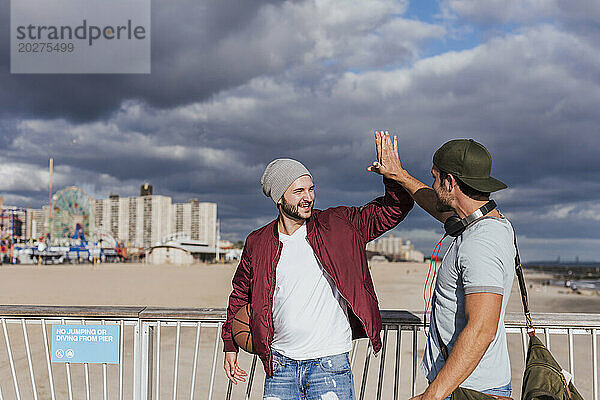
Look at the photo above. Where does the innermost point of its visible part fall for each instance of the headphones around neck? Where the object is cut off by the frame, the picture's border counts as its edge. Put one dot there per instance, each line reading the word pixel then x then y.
pixel 454 225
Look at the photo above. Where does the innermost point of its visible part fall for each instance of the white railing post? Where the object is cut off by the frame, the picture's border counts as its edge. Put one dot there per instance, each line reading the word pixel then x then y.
pixel 136 362
pixel 595 363
pixel 146 370
pixel 140 361
pixel 142 371
pixel 214 365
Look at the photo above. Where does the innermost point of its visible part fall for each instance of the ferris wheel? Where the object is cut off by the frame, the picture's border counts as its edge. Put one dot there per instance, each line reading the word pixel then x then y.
pixel 73 212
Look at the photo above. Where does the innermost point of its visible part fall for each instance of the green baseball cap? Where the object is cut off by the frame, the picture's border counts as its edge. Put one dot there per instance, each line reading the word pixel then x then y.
pixel 468 161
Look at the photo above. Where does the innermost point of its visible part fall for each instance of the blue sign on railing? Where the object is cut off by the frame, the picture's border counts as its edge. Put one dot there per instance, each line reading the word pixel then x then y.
pixel 85 343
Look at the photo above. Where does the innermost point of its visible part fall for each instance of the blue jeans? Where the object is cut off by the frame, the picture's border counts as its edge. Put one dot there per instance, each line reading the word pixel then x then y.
pixel 326 378
pixel 499 391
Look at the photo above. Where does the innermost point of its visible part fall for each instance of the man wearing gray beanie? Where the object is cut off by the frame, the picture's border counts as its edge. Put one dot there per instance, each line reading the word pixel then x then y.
pixel 279 175
pixel 306 278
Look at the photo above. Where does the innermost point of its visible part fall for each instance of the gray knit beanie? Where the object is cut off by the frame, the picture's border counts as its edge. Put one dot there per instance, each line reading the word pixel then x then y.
pixel 279 175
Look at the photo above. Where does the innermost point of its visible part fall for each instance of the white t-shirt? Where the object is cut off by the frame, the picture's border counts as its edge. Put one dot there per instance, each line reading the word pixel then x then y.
pixel 310 317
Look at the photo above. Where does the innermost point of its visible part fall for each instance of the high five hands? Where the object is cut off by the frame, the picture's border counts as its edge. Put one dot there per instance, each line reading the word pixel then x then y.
pixel 388 163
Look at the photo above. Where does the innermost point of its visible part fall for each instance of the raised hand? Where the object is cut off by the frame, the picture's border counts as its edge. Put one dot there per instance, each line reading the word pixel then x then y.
pixel 388 163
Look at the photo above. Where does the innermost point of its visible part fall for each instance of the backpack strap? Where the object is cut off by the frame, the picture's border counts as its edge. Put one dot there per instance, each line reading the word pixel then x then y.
pixel 523 289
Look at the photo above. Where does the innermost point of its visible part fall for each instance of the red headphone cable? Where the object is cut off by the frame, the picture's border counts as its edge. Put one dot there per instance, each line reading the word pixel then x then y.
pixel 428 294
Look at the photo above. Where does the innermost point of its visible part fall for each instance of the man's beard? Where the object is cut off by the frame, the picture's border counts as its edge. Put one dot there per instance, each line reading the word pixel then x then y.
pixel 442 203
pixel 291 210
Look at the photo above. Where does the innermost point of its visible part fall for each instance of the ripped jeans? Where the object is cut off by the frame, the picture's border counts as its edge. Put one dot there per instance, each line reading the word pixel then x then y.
pixel 326 378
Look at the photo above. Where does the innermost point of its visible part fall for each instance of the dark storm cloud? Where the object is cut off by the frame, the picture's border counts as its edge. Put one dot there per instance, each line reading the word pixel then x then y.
pixel 189 63
pixel 201 48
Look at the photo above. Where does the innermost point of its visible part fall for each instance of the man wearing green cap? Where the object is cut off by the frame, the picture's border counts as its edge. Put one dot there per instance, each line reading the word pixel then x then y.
pixel 466 345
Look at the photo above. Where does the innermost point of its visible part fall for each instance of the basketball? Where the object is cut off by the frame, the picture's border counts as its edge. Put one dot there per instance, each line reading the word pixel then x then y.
pixel 240 329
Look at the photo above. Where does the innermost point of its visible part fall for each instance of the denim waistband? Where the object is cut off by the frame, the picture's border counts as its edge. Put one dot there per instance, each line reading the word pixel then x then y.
pixel 505 391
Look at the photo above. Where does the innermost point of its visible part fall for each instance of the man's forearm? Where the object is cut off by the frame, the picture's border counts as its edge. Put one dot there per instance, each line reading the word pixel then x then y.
pixel 468 350
pixel 423 195
pixel 239 297
pixel 381 214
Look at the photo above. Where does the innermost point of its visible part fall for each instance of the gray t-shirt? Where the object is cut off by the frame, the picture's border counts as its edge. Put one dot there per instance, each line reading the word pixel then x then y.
pixel 481 260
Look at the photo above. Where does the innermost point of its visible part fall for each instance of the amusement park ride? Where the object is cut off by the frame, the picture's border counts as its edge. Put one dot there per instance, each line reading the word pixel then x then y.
pixel 72 226
pixel 72 235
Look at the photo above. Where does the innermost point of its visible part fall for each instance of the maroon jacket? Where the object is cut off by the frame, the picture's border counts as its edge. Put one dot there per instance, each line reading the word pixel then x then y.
pixel 338 237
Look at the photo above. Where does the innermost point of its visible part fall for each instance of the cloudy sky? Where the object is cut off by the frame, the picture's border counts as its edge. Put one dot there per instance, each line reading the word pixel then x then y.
pixel 237 83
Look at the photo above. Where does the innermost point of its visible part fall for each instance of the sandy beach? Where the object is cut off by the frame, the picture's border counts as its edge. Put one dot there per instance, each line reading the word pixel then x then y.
pixel 398 286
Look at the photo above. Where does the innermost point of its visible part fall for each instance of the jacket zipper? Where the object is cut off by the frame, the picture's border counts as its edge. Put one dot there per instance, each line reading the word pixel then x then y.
pixel 271 329
pixel 337 285
pixel 562 377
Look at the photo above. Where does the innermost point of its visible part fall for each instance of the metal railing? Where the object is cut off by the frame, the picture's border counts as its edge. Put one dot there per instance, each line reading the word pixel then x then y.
pixel 167 353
